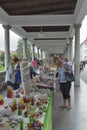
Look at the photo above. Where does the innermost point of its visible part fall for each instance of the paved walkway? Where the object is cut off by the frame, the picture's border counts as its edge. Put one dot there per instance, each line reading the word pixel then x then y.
pixel 76 118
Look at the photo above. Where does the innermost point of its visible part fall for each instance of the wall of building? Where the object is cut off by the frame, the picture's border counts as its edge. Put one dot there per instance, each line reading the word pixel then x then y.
pixel 83 51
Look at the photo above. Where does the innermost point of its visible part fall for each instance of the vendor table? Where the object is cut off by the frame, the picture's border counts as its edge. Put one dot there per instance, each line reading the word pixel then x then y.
pixel 46 119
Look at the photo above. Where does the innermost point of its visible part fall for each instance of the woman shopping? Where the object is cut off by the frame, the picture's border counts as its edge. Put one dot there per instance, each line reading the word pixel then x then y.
pixel 65 85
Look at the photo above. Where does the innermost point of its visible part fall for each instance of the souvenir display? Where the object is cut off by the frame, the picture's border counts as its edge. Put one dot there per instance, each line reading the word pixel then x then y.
pixel 28 108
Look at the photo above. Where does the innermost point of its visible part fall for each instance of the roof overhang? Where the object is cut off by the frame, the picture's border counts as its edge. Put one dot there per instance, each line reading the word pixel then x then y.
pixel 56 18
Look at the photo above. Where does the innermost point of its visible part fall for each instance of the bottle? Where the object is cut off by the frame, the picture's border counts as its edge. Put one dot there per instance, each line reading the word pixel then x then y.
pixel 30 120
pixel 19 110
pixel 21 124
pixel 28 126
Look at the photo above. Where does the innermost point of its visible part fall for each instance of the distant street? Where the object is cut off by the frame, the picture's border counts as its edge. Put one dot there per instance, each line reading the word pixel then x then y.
pixel 83 74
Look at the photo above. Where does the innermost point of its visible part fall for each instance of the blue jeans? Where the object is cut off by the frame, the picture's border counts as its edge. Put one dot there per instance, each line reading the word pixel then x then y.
pixel 14 86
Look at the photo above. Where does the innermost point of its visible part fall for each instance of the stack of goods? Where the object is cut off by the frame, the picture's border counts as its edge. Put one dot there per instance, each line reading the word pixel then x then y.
pixel 9 93
pixel 27 112
pixel 1 100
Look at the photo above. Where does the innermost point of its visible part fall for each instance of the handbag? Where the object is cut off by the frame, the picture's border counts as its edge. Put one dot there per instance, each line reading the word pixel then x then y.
pixel 69 77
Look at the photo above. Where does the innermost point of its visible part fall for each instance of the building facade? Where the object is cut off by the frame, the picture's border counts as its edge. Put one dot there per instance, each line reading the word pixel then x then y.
pixel 83 50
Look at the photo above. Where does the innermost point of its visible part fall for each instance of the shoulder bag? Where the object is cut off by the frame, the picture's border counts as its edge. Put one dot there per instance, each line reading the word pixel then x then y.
pixel 69 77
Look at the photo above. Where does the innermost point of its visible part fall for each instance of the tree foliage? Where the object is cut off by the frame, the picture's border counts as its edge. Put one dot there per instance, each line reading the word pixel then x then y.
pixel 2 58
pixel 19 50
pixel 13 55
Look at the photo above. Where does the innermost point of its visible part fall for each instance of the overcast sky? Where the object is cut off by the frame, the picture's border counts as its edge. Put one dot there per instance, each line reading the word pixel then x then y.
pixel 83 30
pixel 14 37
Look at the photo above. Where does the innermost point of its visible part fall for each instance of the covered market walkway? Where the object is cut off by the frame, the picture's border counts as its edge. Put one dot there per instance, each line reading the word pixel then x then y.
pixel 49 25
pixel 53 26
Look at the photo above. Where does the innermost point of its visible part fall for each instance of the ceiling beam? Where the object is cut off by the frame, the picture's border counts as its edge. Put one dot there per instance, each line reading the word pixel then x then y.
pixel 49 39
pixel 4 17
pixel 49 34
pixel 36 20
pixel 53 50
pixel 41 20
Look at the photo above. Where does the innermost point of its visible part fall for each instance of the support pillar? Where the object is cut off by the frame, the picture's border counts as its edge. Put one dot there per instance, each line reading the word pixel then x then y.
pixel 41 55
pixel 24 48
pixel 77 55
pixel 38 53
pixel 7 45
pixel 66 52
pixel 33 49
pixel 70 48
pixel 44 55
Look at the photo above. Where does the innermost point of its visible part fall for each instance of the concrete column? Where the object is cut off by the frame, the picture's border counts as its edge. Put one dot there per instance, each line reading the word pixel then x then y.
pixel 44 55
pixel 66 52
pixel 70 48
pixel 38 53
pixel 77 55
pixel 7 45
pixel 33 49
pixel 24 48
pixel 41 54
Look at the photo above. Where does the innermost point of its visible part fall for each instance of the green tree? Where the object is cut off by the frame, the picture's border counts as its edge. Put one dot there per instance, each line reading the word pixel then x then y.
pixel 2 58
pixel 13 55
pixel 19 50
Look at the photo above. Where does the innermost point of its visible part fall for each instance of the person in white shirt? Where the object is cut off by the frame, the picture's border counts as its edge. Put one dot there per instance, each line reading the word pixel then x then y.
pixel 10 74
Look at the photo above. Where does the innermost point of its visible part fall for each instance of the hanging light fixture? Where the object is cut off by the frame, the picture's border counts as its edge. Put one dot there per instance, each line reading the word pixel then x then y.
pixel 41 34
